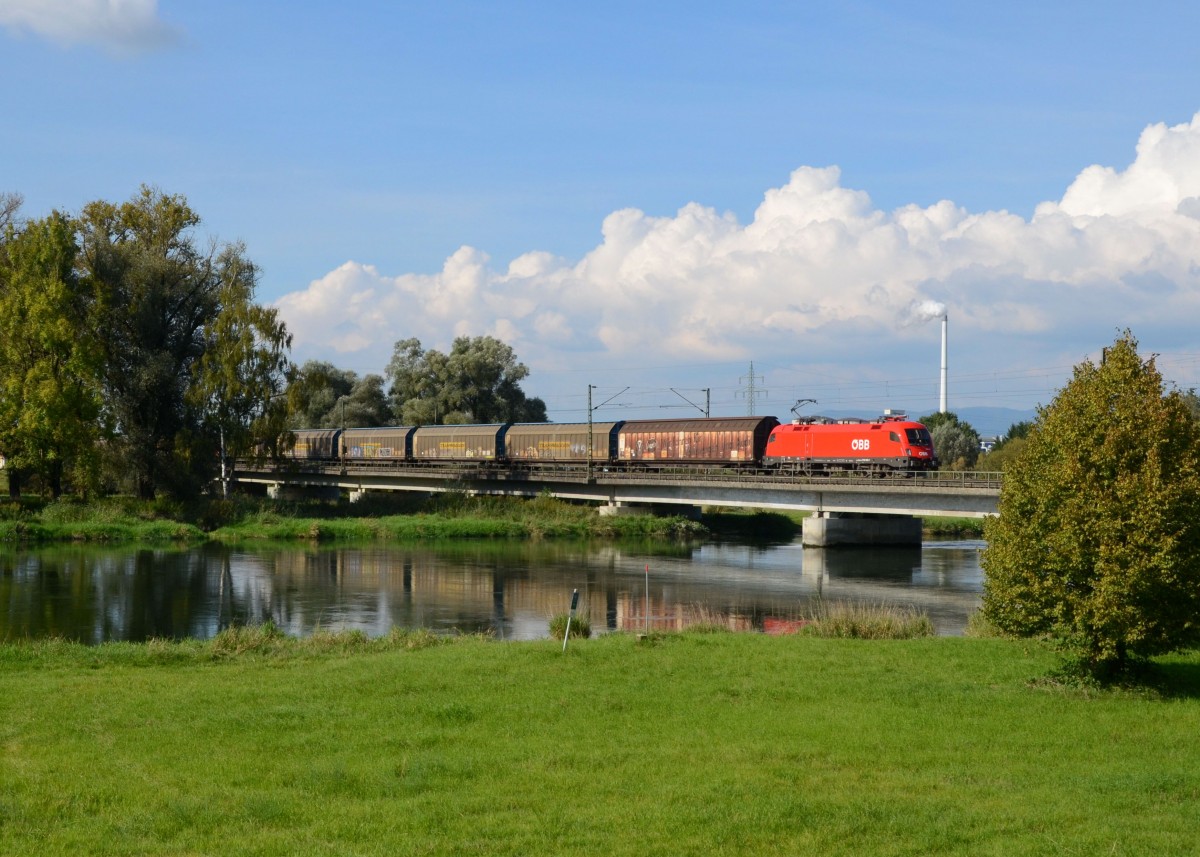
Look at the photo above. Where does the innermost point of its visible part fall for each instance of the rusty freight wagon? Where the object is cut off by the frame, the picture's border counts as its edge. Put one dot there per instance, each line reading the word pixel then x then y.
pixel 458 443
pixel 559 442
pixel 390 443
pixel 315 444
pixel 720 440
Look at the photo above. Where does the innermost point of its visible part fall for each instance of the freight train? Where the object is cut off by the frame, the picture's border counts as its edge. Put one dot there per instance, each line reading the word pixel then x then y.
pixel 889 443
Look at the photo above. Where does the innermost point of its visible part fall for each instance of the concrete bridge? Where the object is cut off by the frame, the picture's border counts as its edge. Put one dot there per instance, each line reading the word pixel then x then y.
pixel 859 509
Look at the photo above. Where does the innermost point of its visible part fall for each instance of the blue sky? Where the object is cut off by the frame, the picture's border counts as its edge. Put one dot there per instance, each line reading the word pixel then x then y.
pixel 652 196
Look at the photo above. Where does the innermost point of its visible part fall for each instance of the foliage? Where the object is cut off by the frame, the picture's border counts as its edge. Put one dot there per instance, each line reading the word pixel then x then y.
pixel 241 374
pixel 323 396
pixel 1098 538
pixel 10 204
pixel 1017 431
pixel 952 528
pixel 477 382
pixel 1002 456
pixel 955 441
pixel 1192 401
pixel 49 359
pixel 186 354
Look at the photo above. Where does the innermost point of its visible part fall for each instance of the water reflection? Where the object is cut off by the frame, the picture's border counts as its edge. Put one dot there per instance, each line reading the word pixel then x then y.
pixel 509 590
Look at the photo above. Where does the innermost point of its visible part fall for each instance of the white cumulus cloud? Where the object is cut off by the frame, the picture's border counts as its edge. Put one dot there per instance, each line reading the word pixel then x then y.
pixel 818 272
pixel 120 26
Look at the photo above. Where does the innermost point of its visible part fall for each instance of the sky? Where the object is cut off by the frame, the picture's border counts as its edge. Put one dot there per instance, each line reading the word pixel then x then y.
pixel 669 205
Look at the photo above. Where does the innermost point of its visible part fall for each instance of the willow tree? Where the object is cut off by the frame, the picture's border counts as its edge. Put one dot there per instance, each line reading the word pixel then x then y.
pixel 1098 538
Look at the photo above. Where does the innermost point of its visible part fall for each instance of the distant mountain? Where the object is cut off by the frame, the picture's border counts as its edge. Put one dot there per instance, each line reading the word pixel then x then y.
pixel 994 422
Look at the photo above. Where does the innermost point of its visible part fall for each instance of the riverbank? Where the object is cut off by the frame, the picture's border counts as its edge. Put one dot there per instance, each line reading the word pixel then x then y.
pixel 681 744
pixel 387 519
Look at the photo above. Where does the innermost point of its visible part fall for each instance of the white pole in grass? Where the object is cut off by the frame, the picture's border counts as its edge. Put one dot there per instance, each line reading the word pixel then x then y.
pixel 570 616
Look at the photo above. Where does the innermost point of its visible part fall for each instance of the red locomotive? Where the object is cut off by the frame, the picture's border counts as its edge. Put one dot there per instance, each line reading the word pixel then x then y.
pixel 893 442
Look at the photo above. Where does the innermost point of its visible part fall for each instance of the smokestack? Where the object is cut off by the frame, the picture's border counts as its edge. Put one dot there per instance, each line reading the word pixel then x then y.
pixel 942 403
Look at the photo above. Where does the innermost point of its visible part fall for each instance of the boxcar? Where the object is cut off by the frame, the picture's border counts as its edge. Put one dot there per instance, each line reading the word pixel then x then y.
pixel 390 443
pixel 458 443
pixel 722 440
pixel 317 444
pixel 554 442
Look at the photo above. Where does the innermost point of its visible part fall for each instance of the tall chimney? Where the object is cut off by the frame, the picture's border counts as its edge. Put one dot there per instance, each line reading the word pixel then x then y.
pixel 942 403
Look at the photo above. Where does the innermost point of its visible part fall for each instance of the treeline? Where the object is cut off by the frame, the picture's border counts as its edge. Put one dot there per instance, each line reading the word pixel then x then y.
pixel 134 357
pixel 477 382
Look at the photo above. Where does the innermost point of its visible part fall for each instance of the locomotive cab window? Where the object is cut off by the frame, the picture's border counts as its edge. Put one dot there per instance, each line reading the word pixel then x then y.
pixel 894 436
pixel 919 436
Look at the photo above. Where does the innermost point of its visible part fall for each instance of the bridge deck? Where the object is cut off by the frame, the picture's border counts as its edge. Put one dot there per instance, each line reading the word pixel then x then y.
pixel 966 494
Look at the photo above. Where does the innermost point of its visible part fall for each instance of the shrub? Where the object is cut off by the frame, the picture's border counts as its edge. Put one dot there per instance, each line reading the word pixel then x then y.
pixel 1097 543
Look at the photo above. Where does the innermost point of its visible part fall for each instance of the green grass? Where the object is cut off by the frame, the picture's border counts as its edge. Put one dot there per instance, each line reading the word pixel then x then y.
pixel 693 744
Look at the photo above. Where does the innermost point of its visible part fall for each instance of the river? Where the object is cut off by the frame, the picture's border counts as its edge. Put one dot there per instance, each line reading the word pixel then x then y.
pixel 509 590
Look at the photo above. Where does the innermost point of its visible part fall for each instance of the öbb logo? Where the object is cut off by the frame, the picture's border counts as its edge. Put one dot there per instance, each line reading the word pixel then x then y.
pixel 861 444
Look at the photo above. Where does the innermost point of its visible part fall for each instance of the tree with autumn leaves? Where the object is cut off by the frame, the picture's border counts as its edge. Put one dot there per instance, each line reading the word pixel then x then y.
pixel 1097 543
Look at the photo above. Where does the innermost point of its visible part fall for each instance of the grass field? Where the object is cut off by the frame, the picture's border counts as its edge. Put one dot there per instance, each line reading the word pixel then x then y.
pixel 693 744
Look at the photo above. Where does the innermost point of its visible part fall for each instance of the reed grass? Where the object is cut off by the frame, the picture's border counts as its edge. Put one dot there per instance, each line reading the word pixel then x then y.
pixel 863 621
pixel 581 626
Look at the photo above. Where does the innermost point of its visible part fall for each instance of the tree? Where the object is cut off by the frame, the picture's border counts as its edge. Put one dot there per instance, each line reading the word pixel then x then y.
pixel 49 359
pixel 10 204
pixel 244 368
pixel 1098 538
pixel 1002 455
pixel 366 405
pixel 955 441
pixel 1192 401
pixel 477 382
pixel 165 306
pixel 324 396
pixel 1007 448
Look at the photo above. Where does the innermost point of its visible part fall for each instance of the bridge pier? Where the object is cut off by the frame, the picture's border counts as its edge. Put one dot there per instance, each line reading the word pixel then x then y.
pixel 827 529
pixel 284 491
pixel 617 508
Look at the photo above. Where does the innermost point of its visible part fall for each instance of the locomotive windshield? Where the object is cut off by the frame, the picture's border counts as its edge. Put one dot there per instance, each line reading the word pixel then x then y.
pixel 919 437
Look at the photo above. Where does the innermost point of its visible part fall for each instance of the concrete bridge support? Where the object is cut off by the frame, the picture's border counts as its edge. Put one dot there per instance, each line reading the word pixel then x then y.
pixel 827 529
pixel 284 491
pixel 615 508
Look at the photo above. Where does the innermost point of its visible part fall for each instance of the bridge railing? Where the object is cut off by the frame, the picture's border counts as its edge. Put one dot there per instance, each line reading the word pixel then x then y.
pixel 954 480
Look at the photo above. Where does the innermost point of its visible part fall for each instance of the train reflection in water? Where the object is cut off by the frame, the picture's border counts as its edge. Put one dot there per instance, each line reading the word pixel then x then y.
pixel 509 590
